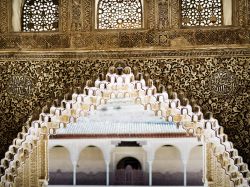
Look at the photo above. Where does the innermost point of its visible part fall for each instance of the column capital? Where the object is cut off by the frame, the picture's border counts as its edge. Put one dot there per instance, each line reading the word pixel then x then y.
pixel 150 162
pixel 185 162
pixel 74 162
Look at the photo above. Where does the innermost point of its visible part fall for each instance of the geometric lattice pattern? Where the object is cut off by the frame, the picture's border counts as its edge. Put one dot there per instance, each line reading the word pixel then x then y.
pixel 201 12
pixel 119 14
pixel 40 15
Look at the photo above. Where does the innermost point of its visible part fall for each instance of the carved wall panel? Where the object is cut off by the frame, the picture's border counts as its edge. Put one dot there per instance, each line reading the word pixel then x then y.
pixel 87 8
pixel 81 16
pixel 76 23
pixel 217 80
pixel 248 11
pixel 4 16
pixel 64 15
pixel 163 14
pixel 34 41
pixel 242 12
pixel 175 13
pixel 99 40
pixel 150 14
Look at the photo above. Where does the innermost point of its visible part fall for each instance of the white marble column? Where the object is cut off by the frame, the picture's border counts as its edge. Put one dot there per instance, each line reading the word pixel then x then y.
pixel 106 149
pixel 150 173
pixel 185 174
pixel 205 181
pixel 74 172
pixel 107 172
pixel 150 149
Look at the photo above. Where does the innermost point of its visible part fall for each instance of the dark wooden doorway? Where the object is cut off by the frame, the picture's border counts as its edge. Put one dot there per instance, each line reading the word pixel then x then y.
pixel 129 172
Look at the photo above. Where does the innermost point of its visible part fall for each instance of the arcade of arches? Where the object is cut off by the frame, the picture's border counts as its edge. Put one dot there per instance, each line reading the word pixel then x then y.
pixel 175 159
pixel 167 168
pixel 199 50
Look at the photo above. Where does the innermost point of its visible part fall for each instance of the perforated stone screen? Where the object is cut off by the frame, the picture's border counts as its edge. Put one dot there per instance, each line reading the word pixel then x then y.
pixel 201 12
pixel 119 14
pixel 40 15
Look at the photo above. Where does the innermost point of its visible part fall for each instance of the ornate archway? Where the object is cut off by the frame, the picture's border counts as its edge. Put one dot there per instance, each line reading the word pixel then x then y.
pixel 223 166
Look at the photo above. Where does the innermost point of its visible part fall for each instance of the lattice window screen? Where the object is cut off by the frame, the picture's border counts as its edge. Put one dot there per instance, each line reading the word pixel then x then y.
pixel 40 15
pixel 119 14
pixel 201 12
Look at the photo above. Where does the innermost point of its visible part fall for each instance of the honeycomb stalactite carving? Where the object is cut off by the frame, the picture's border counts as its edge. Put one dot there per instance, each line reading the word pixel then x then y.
pixel 225 165
pixel 120 14
pixel 192 75
pixel 40 15
pixel 201 12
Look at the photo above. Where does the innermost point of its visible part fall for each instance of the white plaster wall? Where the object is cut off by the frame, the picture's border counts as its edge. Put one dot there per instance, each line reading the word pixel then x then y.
pixel 91 160
pixel 59 158
pixel 167 159
pixel 195 161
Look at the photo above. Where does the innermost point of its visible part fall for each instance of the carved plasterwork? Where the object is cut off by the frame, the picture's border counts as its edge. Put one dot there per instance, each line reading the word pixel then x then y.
pixel 4 16
pixel 223 83
pixel 222 168
pixel 242 12
pixel 81 16
pixel 201 13
pixel 192 72
pixel 117 39
pixel 40 16
pixel 248 10
pixel 175 13
pixel 113 14
pixel 163 14
pixel 20 86
pixel 150 7
pixel 88 10
pixel 64 15
pixel 76 24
